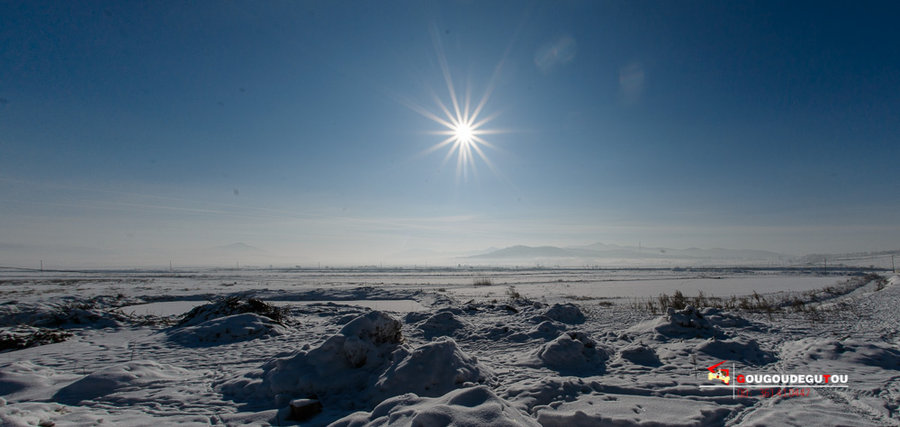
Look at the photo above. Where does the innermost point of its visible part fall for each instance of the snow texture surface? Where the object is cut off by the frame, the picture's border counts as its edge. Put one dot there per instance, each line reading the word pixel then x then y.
pixel 547 347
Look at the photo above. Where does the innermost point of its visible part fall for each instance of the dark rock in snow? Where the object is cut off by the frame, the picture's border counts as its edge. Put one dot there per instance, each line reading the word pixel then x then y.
pixel 304 409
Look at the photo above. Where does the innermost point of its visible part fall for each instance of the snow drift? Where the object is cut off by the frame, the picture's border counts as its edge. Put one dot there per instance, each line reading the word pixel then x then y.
pixel 22 376
pixel 814 351
pixel 545 330
pixel 473 406
pixel 572 352
pixel 566 313
pixel 223 330
pixel 130 376
pixel 686 323
pixel 442 323
pixel 431 370
pixel 640 354
pixel 363 364
pixel 739 348
pixel 231 305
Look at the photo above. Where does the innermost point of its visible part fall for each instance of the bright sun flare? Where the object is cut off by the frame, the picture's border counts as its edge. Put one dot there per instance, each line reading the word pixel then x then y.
pixel 463 133
pixel 462 121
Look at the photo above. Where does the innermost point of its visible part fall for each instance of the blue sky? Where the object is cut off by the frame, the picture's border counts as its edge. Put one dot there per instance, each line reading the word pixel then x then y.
pixel 139 132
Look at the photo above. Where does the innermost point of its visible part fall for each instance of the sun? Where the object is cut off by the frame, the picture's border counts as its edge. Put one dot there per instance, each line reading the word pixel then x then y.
pixel 462 121
pixel 463 130
pixel 464 133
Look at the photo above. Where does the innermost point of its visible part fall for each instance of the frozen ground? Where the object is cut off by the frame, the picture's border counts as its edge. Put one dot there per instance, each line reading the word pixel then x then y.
pixel 524 347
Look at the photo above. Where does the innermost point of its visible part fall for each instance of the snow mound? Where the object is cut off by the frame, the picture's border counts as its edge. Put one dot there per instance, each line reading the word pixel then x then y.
pixel 640 354
pixel 228 329
pixel 19 337
pixel 812 411
pixel 474 406
pixel 442 324
pixel 362 365
pixel 611 409
pixel 23 376
pixel 91 318
pixel 687 323
pixel 229 306
pixel 547 329
pixel 740 349
pixel 566 313
pixel 77 317
pixel 812 350
pixel 33 414
pixel 533 392
pixel 497 331
pixel 571 352
pixel 432 370
pixel 83 314
pixel 727 320
pixel 376 327
pixel 418 316
pixel 131 376
pixel 344 362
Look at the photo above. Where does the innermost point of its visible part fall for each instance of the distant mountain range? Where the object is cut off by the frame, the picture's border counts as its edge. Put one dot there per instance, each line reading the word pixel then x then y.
pixel 601 251
pixel 238 248
pixel 882 259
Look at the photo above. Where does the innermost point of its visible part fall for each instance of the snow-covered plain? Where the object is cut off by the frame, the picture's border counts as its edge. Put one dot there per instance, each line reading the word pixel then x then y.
pixel 443 347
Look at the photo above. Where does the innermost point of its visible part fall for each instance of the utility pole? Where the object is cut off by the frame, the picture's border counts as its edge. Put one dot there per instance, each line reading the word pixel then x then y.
pixel 825 260
pixel 42 264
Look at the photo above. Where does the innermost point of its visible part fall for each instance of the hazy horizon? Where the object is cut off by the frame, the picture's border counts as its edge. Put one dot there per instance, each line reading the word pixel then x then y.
pixel 322 132
pixel 241 255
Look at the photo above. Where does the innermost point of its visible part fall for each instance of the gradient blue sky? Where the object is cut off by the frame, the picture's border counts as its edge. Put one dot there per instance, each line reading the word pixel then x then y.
pixel 139 132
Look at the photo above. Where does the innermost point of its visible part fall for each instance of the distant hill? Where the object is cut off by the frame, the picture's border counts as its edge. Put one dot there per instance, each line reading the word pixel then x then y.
pixel 238 248
pixel 882 259
pixel 600 252
pixel 521 251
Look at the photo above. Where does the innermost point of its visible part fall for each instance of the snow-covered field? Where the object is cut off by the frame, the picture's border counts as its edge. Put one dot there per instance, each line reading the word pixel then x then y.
pixel 448 347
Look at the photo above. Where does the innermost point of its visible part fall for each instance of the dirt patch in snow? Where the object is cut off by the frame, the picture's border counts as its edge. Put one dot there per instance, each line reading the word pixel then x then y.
pixel 228 306
pixel 678 324
pixel 19 337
